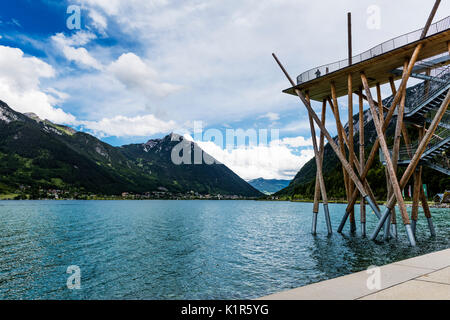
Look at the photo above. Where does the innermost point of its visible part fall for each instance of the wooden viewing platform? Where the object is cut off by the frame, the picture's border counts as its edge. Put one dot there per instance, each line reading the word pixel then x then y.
pixel 422 54
pixel 424 277
pixel 380 68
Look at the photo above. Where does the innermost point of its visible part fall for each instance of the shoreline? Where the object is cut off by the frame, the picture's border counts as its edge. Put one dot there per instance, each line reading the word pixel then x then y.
pixel 423 277
pixel 408 203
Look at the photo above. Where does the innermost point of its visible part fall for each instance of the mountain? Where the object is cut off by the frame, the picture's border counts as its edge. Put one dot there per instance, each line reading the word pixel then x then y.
pixel 269 186
pixel 37 154
pixel 303 184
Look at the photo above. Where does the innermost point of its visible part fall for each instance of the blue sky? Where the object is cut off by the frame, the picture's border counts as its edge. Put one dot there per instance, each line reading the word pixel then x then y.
pixel 140 69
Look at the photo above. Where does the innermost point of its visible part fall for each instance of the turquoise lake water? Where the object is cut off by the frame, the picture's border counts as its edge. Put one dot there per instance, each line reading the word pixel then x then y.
pixel 184 249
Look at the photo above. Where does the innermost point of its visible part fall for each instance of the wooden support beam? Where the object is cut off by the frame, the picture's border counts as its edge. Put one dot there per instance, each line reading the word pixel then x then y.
pixel 416 195
pixel 349 33
pixel 355 158
pixel 413 164
pixel 319 173
pixel 404 131
pixel 399 126
pixel 380 103
pixel 417 190
pixel 321 151
pixel 313 116
pixel 430 19
pixel 362 204
pixel 374 151
pixel 331 142
pixel 341 134
pixel 384 147
pixel 351 147
pixel 376 102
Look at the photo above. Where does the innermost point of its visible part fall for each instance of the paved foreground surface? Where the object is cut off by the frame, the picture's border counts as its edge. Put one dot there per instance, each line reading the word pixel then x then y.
pixel 420 278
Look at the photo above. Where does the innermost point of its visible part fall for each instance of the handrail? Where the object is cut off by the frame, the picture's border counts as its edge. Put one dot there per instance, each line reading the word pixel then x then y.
pixel 440 137
pixel 419 94
pixel 423 93
pixel 386 46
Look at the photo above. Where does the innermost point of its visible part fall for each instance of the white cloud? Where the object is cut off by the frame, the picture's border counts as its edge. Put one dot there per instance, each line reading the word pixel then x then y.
pixel 99 21
pixel 20 85
pixel 272 116
pixel 297 142
pixel 79 55
pixel 276 161
pixel 121 126
pixel 134 73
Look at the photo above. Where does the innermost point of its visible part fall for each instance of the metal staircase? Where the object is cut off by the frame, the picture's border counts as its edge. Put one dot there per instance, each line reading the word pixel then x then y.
pixel 421 105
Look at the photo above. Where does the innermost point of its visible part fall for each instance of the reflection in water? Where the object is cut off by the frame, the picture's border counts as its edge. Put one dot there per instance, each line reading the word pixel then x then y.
pixel 184 249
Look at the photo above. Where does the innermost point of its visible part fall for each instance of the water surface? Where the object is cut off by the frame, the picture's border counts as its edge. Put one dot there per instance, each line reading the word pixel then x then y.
pixel 184 249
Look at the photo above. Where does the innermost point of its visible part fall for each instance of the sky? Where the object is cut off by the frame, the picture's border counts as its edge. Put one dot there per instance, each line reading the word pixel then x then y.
pixel 133 70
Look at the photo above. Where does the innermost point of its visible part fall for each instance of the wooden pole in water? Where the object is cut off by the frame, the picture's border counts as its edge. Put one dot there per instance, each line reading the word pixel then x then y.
pixel 412 166
pixel 423 198
pixel 362 204
pixel 395 151
pixel 416 191
pixel 416 195
pixel 319 174
pixel 321 151
pixel 351 147
pixel 373 152
pixel 403 83
pixel 384 147
pixel 331 142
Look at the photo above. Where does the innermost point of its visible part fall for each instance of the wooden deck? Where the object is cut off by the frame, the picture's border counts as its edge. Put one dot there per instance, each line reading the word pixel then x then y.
pixel 377 69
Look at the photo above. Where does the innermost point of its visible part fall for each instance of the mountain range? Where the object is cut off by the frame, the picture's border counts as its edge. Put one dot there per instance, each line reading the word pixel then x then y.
pixel 37 154
pixel 269 186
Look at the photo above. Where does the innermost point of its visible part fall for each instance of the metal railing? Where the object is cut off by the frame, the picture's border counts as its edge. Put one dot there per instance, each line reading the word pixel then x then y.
pixel 420 94
pixel 441 163
pixel 441 136
pixel 387 46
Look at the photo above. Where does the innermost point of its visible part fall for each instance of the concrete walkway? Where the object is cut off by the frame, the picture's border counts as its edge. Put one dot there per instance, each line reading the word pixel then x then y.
pixel 425 277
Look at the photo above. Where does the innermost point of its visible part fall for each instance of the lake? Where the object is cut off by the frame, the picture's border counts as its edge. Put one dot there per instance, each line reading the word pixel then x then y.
pixel 185 249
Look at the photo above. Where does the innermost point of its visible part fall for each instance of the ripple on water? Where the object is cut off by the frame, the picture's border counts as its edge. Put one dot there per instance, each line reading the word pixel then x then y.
pixel 184 249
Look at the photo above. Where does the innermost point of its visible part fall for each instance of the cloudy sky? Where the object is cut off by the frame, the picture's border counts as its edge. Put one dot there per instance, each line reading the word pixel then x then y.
pixel 140 69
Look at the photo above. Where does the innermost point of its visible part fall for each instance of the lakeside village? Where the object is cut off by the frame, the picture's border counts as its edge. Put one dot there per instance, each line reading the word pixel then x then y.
pixel 28 193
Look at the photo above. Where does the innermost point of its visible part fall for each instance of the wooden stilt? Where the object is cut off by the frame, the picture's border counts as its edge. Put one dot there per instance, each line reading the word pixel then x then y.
pixel 321 151
pixel 413 164
pixel 319 174
pixel 331 142
pixel 355 159
pixel 351 147
pixel 340 133
pixel 362 204
pixel 384 147
pixel 416 195
pixel 380 103
pixel 374 151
